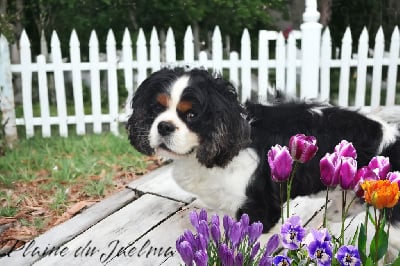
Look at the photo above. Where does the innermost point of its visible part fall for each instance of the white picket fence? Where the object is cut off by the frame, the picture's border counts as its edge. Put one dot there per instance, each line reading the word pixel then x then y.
pixel 305 72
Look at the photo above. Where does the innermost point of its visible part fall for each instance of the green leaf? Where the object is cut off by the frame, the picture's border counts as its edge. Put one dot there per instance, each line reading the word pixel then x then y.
pixel 382 245
pixel 362 243
pixel 397 261
pixel 353 240
pixel 368 262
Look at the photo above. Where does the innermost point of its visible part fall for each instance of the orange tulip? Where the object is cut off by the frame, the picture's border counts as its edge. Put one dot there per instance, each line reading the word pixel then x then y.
pixel 381 193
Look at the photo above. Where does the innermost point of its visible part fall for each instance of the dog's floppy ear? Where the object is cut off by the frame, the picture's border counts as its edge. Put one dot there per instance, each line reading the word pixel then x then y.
pixel 228 130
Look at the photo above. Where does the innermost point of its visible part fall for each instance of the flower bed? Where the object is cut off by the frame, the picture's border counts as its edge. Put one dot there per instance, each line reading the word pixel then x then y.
pixel 236 242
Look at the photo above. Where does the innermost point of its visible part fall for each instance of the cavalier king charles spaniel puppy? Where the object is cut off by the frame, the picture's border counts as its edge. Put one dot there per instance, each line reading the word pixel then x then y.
pixel 219 147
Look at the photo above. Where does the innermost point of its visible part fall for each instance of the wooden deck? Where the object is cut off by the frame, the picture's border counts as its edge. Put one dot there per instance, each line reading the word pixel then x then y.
pixel 137 226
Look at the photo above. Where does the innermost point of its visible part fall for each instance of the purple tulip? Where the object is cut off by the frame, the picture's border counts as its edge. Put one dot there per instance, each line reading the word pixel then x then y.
pixel 303 148
pixel 380 165
pixel 201 258
pixel 329 167
pixel 280 162
pixel 363 174
pixel 348 171
pixel 348 255
pixel 292 233
pixel 394 177
pixel 346 149
pixel 281 260
pixel 185 249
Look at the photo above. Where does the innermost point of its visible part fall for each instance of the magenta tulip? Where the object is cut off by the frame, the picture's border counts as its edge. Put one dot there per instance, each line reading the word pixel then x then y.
pixel 348 171
pixel 280 162
pixel 363 174
pixel 394 177
pixel 330 169
pixel 346 149
pixel 380 165
pixel 303 148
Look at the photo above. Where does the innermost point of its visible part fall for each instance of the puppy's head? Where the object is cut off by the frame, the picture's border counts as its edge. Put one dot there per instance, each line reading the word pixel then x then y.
pixel 177 113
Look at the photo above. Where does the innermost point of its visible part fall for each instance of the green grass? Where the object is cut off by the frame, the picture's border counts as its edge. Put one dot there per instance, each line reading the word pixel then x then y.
pixel 64 160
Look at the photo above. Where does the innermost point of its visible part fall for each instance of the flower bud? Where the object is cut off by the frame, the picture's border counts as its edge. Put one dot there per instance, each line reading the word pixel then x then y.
pixel 302 148
pixel 348 170
pixel 380 165
pixel 280 162
pixel 346 149
pixel 330 169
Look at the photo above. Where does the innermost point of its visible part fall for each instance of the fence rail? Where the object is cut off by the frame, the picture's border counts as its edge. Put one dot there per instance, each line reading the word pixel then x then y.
pixel 308 72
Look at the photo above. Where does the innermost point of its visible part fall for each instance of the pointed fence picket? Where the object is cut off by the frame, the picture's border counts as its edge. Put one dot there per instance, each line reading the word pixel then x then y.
pixel 301 63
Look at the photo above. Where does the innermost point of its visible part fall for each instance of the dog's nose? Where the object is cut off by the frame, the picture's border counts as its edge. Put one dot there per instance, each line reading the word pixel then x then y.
pixel 165 128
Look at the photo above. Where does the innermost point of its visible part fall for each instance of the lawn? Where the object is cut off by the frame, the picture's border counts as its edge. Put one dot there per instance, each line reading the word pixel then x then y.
pixel 45 181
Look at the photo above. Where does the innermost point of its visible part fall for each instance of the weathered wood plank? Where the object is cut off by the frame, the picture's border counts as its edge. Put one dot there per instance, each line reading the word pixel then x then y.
pixel 119 232
pixel 161 182
pixel 64 232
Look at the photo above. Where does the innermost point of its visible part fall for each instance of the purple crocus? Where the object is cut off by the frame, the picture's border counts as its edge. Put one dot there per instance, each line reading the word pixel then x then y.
pixel 292 233
pixel 302 148
pixel 348 255
pixel 201 258
pixel 346 149
pixel 185 249
pixel 380 165
pixel 394 177
pixel 255 231
pixel 348 171
pixel 239 259
pixel 235 233
pixel 280 162
pixel 215 233
pixel 271 246
pixel 329 167
pixel 226 255
pixel 281 260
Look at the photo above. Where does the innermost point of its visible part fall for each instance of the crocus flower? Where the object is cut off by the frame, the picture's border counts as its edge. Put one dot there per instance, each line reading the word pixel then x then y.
pixel 226 255
pixel 255 231
pixel 346 149
pixel 271 246
pixel 185 250
pixel 215 233
pixel 363 174
pixel 348 255
pixel 292 233
pixel 255 250
pixel 280 162
pixel 235 233
pixel 329 167
pixel 394 177
pixel 348 170
pixel 381 193
pixel 281 260
pixel 239 260
pixel 302 148
pixel 201 258
pixel 380 165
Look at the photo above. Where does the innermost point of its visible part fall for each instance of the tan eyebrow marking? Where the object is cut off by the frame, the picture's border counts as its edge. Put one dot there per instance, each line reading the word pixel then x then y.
pixel 163 99
pixel 184 106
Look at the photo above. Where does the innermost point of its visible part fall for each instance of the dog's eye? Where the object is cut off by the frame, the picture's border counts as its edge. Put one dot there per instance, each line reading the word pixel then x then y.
pixel 157 108
pixel 191 115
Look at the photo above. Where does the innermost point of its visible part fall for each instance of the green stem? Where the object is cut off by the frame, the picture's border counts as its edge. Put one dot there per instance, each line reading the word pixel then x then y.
pixel 289 188
pixel 344 194
pixel 377 226
pixel 326 206
pixel 281 199
pixel 366 218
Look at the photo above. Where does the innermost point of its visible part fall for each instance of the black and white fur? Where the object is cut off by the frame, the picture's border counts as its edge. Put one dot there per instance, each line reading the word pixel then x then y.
pixel 219 147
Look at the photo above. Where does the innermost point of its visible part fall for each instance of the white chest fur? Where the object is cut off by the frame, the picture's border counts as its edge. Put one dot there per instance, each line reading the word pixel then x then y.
pixel 219 188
